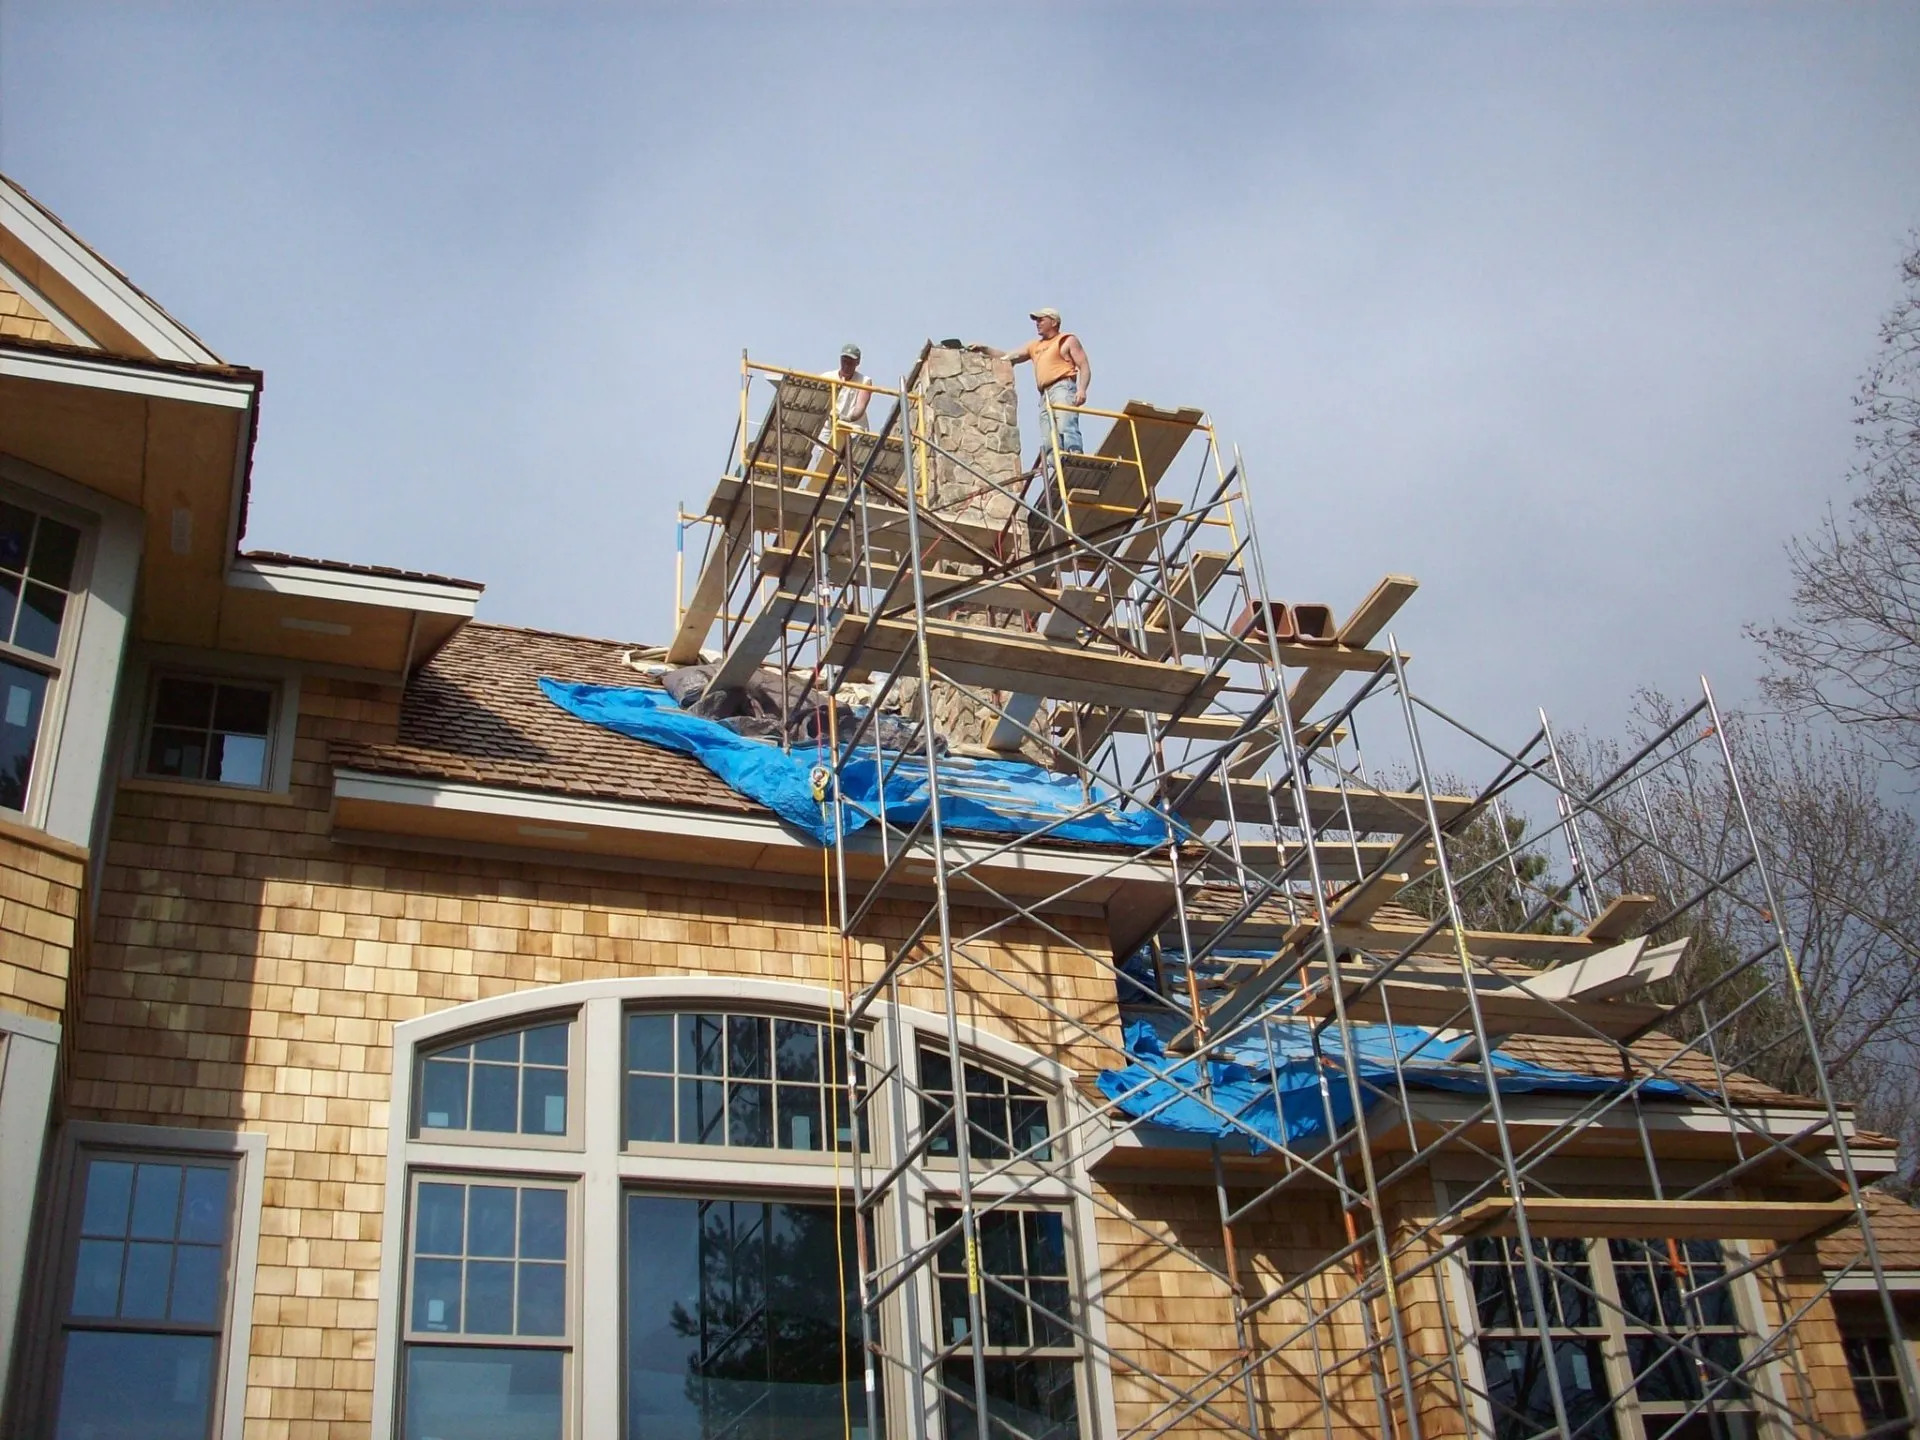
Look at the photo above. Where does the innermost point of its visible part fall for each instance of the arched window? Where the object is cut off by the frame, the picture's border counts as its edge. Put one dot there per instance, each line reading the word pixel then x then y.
pixel 627 1208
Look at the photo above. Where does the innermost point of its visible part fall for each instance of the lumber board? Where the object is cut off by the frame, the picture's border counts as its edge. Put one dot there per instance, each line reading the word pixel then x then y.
pixel 726 555
pixel 1033 599
pixel 1559 1218
pixel 1393 812
pixel 1623 912
pixel 986 658
pixel 1160 435
pixel 1218 728
pixel 1077 609
pixel 770 500
pixel 1188 586
pixel 1336 658
pixel 1506 1011
pixel 753 643
pixel 1368 619
pixel 1338 859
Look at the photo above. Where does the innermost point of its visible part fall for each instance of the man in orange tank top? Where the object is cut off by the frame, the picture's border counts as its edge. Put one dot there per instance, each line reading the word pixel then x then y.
pixel 1061 370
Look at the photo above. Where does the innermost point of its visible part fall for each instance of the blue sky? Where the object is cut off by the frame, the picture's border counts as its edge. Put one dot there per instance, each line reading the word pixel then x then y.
pixel 1559 310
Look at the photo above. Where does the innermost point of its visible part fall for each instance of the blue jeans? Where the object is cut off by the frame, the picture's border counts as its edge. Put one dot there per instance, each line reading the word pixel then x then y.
pixel 1066 422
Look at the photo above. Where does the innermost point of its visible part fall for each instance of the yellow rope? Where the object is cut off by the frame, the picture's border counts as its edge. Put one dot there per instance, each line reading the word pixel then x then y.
pixel 830 1123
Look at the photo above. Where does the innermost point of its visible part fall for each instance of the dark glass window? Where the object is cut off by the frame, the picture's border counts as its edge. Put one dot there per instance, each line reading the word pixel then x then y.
pixel 1518 1390
pixel 23 695
pixel 147 1289
pixel 210 730
pixel 37 560
pixel 1004 1117
pixel 1027 1308
pixel 1876 1378
pixel 510 1084
pixel 752 1081
pixel 742 1320
pixel 1683 1337
pixel 487 1310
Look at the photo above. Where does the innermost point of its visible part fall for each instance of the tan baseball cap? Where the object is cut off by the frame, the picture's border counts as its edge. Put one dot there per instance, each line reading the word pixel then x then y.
pixel 1049 313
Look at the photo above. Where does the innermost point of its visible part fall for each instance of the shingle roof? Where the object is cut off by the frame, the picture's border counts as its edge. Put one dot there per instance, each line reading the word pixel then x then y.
pixel 1896 1231
pixel 475 713
pixel 348 567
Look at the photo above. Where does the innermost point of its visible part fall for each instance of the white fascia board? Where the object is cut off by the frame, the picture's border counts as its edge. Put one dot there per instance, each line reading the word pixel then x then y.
pixel 127 379
pixel 163 336
pixel 567 811
pixel 1899 1282
pixel 388 592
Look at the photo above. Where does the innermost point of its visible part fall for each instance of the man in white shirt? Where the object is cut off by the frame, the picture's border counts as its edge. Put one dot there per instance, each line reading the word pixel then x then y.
pixel 850 406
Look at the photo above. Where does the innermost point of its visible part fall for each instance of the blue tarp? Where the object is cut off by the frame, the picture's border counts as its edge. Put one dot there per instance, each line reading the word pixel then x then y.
pixel 1002 797
pixel 1275 1092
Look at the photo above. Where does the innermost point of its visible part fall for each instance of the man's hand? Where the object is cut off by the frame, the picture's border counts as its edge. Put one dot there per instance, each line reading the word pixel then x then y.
pixel 1080 399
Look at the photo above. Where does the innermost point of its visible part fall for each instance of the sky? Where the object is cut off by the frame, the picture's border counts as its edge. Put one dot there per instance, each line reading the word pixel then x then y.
pixel 1560 310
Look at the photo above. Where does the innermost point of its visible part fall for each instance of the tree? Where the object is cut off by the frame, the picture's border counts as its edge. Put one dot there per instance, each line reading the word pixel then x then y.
pixel 1845 867
pixel 1851 651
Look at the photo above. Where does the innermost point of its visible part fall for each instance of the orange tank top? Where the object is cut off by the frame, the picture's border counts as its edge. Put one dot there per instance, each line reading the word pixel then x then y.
pixel 1050 362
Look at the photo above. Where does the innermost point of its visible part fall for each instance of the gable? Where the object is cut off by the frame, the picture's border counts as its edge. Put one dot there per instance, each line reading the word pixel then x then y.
pixel 55 287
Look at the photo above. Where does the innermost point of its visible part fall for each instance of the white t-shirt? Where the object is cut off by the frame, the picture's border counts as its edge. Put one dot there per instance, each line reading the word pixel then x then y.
pixel 849 398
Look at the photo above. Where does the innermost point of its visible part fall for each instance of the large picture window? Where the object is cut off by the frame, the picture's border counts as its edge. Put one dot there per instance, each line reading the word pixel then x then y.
pixel 759 1082
pixel 742 1319
pixel 146 1298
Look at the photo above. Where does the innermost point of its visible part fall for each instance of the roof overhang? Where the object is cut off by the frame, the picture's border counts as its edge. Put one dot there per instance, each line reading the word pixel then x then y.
pixel 457 813
pixel 339 616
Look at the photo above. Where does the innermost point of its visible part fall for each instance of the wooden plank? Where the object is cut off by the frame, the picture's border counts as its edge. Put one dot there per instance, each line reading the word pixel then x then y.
pixel 980 656
pixel 1622 914
pixel 772 503
pixel 723 562
pixel 1077 610
pixel 1161 435
pixel 1337 858
pixel 1393 812
pixel 1506 1011
pixel 1192 579
pixel 1357 906
pixel 1368 619
pixel 1335 658
pixel 1192 727
pixel 753 643
pixel 1560 1218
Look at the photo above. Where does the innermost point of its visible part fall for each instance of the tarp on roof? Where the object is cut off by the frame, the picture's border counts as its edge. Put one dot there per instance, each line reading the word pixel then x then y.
pixel 1268 1094
pixel 999 797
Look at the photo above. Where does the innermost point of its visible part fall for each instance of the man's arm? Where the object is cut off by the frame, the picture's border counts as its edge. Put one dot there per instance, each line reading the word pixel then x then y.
pixel 1012 357
pixel 1082 368
pixel 860 402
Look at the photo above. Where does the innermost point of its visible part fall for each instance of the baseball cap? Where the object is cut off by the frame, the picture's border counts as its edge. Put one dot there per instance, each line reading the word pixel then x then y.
pixel 1049 313
pixel 850 350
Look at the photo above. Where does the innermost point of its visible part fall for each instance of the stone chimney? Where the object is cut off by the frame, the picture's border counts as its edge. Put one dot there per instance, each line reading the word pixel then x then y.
pixel 971 414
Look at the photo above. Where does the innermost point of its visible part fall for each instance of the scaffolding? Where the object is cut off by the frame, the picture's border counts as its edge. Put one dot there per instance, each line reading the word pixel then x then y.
pixel 1108 616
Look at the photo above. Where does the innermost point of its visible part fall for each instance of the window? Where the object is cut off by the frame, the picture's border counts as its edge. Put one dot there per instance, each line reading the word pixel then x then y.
pixel 1876 1378
pixel 1517 1385
pixel 1674 1294
pixel 742 1319
pixel 754 1081
pixel 1004 1117
pixel 487 1317
pixel 146 1298
pixel 220 731
pixel 1026 1303
pixel 39 565
pixel 1674 1325
pixel 509 1084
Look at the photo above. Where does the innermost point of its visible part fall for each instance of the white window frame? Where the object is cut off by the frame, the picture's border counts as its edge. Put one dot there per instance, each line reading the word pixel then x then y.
pixel 246 1150
pixel 604 1171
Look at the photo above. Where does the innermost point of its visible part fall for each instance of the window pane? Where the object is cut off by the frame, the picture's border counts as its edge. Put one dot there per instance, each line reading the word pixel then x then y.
pixel 96 1278
pixel 436 1295
pixel 547 1045
pixel 702 1048
pixel 203 1206
pixel 38 626
pixel 490 1220
pixel 1037 1398
pixel 1028 1118
pixel 22 692
pixel 143 1290
pixel 649 1108
pixel 1522 1399
pixel 650 1043
pixel 496 1098
pixel 498 1394
pixel 749 1114
pixel 442 1220
pixel 243 709
pixel 489 1298
pixel 156 1202
pixel 9 602
pixel 502 1048
pixel 1046 1242
pixel 797 1049
pixel 109 1194
pixel 185 703
pixel 196 1284
pixel 702 1113
pixel 543 1224
pixel 799 1119
pixel 237 760
pixel 443 1095
pixel 543 1300
pixel 179 754
pixel 128 1386
pixel 55 549
pixel 748 1049
pixel 16 535
pixel 543 1101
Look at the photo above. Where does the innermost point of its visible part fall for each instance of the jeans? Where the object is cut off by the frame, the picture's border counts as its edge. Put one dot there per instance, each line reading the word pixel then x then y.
pixel 1066 422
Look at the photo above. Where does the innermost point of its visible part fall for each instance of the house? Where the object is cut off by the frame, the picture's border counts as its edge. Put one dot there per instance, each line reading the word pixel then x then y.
pixel 389 1051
